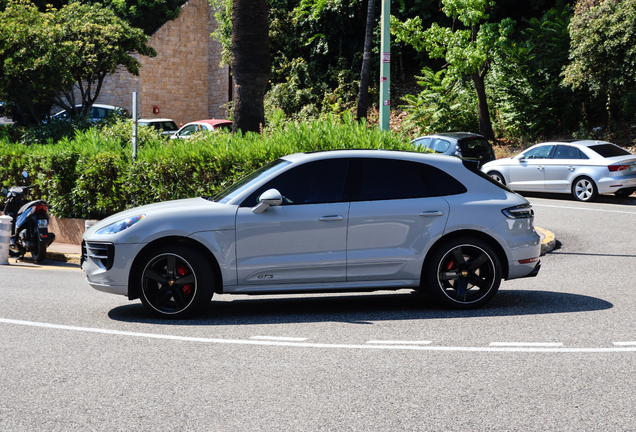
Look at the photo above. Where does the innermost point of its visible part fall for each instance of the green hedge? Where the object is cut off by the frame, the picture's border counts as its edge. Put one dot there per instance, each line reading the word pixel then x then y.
pixel 93 175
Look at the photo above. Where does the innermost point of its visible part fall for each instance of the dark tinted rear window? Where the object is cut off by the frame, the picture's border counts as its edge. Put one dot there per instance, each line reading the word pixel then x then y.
pixel 476 148
pixel 609 150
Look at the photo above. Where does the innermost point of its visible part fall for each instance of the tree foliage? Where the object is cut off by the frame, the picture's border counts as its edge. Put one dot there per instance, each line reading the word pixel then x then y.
pixel 62 56
pixel 602 49
pixel 469 46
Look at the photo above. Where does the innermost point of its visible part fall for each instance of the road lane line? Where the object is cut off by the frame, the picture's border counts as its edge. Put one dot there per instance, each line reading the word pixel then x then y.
pixel 625 343
pixel 319 345
pixel 279 338
pixel 526 344
pixel 583 208
pixel 397 342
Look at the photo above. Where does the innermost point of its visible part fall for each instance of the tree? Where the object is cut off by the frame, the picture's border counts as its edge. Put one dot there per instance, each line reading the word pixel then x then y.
pixel 251 64
pixel 602 49
pixel 363 94
pixel 62 56
pixel 468 48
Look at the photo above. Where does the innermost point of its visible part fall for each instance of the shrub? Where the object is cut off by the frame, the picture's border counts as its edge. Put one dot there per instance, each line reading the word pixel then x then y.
pixel 92 175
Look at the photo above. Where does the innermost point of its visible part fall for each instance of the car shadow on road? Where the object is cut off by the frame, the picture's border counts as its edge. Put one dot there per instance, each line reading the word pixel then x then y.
pixel 364 309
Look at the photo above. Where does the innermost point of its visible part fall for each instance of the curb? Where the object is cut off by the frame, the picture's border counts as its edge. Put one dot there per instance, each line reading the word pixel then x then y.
pixel 548 240
pixel 64 257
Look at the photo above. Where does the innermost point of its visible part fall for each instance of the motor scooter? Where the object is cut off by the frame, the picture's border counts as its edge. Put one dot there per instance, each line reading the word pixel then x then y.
pixel 30 225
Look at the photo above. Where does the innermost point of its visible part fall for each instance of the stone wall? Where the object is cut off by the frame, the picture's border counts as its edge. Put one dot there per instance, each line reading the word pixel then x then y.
pixel 185 80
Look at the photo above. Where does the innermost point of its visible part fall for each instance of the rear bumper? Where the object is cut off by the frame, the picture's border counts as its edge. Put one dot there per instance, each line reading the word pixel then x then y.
pixel 534 271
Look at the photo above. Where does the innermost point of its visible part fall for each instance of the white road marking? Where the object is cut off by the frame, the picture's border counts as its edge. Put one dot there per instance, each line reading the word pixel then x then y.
pixel 319 345
pixel 583 208
pixel 526 344
pixel 625 343
pixel 279 338
pixel 393 342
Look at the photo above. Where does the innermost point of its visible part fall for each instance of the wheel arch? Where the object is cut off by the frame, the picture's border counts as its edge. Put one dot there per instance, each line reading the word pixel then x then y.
pixel 494 244
pixel 135 270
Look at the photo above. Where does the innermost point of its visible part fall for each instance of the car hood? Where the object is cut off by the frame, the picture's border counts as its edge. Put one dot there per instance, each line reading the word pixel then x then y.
pixel 179 218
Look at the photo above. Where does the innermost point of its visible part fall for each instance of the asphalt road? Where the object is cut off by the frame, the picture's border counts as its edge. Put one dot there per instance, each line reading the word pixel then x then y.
pixel 557 352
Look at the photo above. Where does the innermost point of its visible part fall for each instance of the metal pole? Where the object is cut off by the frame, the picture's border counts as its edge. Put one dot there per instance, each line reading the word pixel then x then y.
pixel 134 129
pixel 385 66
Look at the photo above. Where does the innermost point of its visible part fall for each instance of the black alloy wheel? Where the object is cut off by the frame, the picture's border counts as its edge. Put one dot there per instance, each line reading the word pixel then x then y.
pixel 176 282
pixel 464 273
pixel 38 247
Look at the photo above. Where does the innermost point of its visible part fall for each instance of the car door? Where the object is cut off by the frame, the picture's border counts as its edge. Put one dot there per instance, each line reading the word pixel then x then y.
pixel 394 216
pixel 564 165
pixel 303 240
pixel 527 171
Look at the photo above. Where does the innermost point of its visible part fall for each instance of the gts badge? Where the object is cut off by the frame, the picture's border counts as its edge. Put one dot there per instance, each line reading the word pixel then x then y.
pixel 266 276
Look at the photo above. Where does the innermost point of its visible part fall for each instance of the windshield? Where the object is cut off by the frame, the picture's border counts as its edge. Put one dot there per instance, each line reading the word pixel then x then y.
pixel 609 150
pixel 246 182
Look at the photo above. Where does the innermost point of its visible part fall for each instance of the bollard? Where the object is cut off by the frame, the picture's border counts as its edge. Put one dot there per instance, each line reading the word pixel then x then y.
pixel 5 238
pixel 88 224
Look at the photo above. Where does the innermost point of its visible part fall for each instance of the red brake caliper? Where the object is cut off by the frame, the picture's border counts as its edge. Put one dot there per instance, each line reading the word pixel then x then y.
pixel 182 271
pixel 451 265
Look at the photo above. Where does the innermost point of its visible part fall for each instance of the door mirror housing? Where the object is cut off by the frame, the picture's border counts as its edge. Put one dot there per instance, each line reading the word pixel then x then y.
pixel 270 197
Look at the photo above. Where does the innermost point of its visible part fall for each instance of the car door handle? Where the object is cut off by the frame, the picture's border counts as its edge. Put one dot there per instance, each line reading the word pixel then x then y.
pixel 331 218
pixel 571 168
pixel 540 168
pixel 433 213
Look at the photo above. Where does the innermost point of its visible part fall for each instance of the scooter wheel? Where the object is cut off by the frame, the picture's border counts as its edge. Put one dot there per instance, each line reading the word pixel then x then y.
pixel 39 252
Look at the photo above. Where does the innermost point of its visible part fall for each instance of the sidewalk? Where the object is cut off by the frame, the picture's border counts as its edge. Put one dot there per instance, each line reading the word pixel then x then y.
pixel 64 252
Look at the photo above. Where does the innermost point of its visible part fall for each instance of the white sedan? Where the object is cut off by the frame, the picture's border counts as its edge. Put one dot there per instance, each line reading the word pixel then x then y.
pixel 351 220
pixel 189 129
pixel 583 168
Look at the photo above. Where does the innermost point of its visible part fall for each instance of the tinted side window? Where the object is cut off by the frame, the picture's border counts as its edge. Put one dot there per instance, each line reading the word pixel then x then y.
pixel 443 183
pixel 311 183
pixel 387 179
pixel 542 152
pixel 566 152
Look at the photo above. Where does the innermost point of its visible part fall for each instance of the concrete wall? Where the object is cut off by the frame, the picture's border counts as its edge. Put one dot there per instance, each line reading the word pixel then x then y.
pixel 185 80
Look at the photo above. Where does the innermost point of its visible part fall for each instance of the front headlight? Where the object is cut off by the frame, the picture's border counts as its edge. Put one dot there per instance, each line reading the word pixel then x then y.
pixel 121 225
pixel 523 211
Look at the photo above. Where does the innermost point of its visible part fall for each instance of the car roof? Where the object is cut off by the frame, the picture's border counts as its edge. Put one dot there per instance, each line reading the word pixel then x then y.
pixel 584 143
pixel 454 135
pixel 213 122
pixel 366 153
pixel 155 120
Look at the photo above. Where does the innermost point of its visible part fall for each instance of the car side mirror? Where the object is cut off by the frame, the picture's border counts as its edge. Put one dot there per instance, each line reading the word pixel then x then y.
pixel 270 197
pixel 520 157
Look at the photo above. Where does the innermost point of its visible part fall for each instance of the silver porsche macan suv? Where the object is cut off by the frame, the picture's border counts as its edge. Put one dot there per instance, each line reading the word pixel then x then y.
pixel 350 220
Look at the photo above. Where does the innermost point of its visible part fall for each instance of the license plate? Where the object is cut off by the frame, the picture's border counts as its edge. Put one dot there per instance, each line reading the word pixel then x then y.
pixel 43 223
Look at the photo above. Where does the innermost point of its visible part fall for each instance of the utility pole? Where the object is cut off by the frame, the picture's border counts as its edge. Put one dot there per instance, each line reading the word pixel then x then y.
pixel 385 66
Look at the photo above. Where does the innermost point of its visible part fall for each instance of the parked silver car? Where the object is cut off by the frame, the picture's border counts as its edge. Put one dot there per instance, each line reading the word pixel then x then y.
pixel 352 220
pixel 583 168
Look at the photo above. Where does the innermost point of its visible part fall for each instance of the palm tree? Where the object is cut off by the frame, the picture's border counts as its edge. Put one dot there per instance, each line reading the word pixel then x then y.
pixel 363 94
pixel 251 63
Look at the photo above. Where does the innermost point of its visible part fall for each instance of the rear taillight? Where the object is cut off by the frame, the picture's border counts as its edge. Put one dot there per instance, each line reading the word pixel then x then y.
pixel 458 151
pixel 614 168
pixel 523 211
